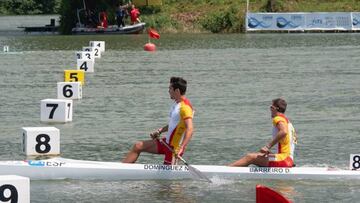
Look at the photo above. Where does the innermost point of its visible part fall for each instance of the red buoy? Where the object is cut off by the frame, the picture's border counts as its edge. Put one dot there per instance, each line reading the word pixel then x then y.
pixel 267 195
pixel 149 47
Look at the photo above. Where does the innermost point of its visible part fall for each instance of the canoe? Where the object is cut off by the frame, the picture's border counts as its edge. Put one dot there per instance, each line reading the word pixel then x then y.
pixel 62 168
pixel 129 29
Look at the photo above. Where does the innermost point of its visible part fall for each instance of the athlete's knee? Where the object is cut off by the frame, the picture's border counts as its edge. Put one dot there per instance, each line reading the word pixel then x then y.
pixel 138 146
pixel 251 156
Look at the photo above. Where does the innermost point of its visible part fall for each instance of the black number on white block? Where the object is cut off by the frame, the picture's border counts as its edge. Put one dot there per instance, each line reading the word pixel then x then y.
pixel 67 92
pixel 44 142
pixel 69 105
pixel 13 197
pixel 54 106
pixel 84 66
pixel 356 163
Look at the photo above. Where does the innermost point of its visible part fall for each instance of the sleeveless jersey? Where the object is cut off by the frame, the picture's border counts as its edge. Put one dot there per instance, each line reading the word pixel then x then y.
pixel 286 146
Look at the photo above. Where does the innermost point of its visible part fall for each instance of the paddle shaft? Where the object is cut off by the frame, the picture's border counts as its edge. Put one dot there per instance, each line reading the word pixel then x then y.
pixel 193 170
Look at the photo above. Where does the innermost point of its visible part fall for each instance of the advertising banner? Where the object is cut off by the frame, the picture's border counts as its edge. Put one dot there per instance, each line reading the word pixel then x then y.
pixel 275 21
pixel 328 21
pixel 303 21
pixel 355 20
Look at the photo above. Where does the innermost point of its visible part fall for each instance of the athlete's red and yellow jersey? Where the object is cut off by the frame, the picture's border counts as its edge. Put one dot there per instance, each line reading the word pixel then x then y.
pixel 178 114
pixel 286 146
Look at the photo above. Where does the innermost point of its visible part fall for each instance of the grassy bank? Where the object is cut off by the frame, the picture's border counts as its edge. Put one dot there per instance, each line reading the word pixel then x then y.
pixel 227 16
pixel 194 16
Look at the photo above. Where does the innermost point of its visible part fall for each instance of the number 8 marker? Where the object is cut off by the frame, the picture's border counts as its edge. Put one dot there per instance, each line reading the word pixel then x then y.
pixel 41 141
pixel 354 161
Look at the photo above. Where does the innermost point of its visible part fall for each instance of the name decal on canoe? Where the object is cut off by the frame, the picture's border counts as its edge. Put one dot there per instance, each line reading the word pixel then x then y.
pixel 165 167
pixel 45 163
pixel 269 170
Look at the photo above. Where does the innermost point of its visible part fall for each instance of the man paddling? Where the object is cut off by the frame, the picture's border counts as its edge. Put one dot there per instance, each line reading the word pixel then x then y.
pixel 179 129
pixel 283 138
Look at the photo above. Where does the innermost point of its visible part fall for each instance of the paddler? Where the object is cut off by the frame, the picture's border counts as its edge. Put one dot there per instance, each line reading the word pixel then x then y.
pixel 179 129
pixel 283 140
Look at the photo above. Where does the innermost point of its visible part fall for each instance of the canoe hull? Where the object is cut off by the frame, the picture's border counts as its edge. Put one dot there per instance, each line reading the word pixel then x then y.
pixel 130 29
pixel 60 168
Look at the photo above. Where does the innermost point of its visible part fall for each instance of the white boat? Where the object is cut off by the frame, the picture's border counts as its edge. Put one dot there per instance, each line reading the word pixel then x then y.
pixel 61 168
pixel 112 29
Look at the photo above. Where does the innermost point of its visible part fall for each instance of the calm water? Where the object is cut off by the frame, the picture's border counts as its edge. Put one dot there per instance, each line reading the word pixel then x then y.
pixel 232 80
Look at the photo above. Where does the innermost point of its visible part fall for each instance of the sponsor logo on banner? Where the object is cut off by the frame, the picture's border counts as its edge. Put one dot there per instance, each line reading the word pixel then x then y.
pixel 291 21
pixel 356 20
pixel 264 22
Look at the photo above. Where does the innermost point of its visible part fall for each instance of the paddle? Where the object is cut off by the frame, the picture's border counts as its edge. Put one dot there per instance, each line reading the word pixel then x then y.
pixel 195 172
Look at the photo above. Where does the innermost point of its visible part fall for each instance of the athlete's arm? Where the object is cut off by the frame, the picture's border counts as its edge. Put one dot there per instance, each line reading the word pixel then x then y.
pixel 156 134
pixel 282 131
pixel 188 134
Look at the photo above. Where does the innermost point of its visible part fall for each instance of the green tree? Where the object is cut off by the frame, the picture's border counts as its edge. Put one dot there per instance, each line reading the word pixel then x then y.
pixel 28 7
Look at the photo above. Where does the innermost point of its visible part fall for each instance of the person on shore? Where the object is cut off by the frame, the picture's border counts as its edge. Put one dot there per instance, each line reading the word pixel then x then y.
pixel 121 13
pixel 92 19
pixel 283 138
pixel 179 129
pixel 103 20
pixel 134 15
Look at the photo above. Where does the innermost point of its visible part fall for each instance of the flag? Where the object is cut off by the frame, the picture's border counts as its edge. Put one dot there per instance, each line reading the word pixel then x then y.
pixel 153 34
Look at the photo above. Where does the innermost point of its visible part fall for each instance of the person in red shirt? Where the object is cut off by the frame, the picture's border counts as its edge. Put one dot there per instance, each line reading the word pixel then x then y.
pixel 134 15
pixel 103 22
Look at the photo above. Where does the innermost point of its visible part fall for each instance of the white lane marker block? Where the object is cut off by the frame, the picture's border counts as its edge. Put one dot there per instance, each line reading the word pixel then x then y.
pixel 96 50
pixel 89 55
pixel 14 189
pixel 85 65
pixel 99 44
pixel 56 110
pixel 354 162
pixel 41 141
pixel 69 90
pixel 6 48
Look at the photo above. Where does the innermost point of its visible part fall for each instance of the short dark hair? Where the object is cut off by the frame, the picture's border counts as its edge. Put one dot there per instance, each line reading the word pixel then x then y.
pixel 178 83
pixel 280 104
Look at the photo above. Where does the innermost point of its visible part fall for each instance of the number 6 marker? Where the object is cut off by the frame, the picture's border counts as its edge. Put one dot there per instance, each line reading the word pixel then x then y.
pixel 69 90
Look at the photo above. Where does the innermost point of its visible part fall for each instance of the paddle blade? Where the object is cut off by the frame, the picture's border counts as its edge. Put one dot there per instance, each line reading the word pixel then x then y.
pixel 198 174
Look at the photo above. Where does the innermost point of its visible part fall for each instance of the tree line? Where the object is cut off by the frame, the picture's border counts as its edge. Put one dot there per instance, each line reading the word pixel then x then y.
pixel 29 7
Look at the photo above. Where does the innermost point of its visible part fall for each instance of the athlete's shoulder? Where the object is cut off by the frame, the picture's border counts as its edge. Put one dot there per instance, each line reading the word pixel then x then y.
pixel 186 109
pixel 186 102
pixel 280 118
